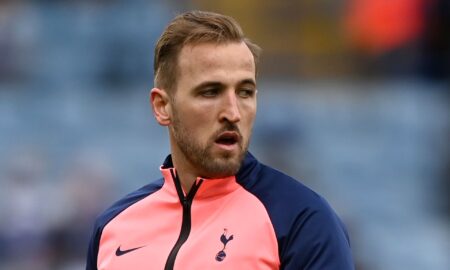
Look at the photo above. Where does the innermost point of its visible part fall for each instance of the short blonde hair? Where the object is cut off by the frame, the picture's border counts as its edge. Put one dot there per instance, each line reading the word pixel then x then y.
pixel 189 28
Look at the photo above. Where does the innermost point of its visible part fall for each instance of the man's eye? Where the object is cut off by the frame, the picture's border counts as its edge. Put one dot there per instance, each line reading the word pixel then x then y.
pixel 209 93
pixel 246 92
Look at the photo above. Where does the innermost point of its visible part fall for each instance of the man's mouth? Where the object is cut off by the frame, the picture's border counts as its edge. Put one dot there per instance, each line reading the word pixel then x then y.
pixel 228 138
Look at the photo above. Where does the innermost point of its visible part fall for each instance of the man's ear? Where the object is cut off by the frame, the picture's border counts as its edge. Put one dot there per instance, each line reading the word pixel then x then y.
pixel 160 101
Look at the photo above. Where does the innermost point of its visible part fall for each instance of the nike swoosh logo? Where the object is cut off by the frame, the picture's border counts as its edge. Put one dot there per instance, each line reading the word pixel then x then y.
pixel 123 252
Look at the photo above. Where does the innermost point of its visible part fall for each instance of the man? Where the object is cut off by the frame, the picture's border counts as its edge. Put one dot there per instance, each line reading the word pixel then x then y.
pixel 216 206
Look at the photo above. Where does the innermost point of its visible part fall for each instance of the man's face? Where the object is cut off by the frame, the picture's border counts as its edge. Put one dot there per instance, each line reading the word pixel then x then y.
pixel 213 107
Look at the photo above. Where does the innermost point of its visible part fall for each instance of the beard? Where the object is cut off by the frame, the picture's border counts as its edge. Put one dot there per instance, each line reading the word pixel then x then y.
pixel 201 156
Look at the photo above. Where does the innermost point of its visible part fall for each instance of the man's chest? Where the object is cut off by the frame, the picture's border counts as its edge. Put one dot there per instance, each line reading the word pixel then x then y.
pixel 231 233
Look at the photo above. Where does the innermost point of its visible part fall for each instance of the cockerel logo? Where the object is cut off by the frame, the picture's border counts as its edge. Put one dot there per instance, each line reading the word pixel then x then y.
pixel 220 256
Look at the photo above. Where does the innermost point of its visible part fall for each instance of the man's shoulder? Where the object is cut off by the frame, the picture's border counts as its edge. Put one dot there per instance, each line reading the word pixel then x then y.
pixel 289 201
pixel 304 222
pixel 116 208
pixel 284 190
pixel 275 188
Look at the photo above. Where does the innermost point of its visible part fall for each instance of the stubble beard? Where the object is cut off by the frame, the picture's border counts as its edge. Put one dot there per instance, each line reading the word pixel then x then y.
pixel 201 156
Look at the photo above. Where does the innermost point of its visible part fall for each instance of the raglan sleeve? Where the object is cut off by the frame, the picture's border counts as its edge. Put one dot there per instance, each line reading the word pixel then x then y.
pixel 317 240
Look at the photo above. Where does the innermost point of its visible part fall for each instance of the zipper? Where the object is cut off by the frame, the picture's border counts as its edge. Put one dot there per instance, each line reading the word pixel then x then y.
pixel 186 202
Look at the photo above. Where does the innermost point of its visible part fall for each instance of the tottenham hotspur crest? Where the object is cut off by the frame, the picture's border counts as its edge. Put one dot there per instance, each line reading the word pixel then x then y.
pixel 220 256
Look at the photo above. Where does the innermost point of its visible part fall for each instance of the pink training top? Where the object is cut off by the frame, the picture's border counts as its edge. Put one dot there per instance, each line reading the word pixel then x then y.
pixel 258 219
pixel 230 229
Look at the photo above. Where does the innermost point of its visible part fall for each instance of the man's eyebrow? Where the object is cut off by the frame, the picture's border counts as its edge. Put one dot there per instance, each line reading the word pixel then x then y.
pixel 248 81
pixel 208 84
pixel 217 84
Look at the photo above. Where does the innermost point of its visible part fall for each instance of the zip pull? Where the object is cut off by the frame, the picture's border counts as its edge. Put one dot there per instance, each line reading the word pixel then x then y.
pixel 193 190
pixel 185 200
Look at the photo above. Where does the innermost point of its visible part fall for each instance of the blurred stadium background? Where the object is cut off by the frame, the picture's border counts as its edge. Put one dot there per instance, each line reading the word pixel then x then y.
pixel 354 100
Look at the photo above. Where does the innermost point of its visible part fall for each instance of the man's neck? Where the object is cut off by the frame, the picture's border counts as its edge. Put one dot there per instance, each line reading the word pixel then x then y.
pixel 186 174
pixel 187 180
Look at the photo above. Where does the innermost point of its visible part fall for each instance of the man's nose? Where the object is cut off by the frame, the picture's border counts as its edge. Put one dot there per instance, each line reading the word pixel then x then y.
pixel 230 108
